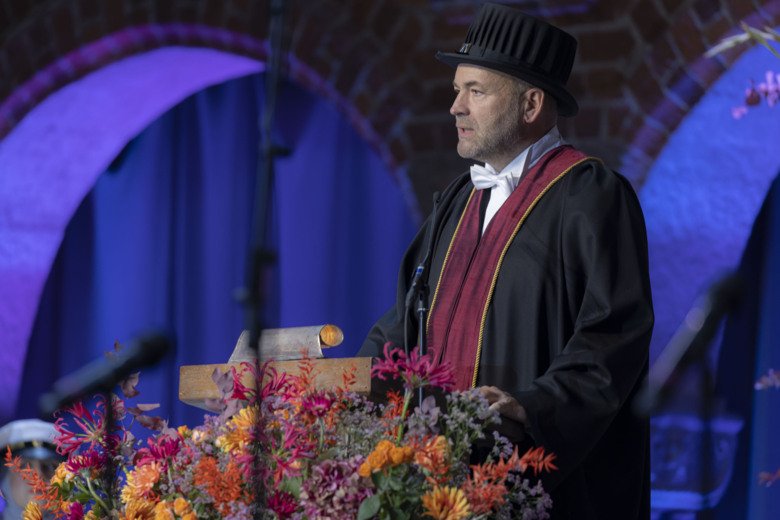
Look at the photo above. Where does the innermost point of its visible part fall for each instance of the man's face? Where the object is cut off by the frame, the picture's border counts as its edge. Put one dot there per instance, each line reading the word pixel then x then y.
pixel 487 115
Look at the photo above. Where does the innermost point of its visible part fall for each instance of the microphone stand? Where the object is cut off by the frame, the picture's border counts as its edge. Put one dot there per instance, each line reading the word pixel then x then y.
pixel 419 289
pixel 260 257
pixel 101 377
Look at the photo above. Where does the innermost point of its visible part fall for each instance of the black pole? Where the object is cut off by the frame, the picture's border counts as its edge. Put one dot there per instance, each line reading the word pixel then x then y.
pixel 260 256
pixel 419 290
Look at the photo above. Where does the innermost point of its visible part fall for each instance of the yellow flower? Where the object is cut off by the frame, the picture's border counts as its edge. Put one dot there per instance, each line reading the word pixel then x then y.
pixel 181 506
pixel 184 431
pixel 138 509
pixel 446 503
pixel 32 512
pixel 189 516
pixel 61 475
pixel 140 482
pixel 91 515
pixel 240 429
pixel 162 511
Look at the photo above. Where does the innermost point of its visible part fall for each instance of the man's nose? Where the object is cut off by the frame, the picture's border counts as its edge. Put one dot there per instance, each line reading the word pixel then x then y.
pixel 458 107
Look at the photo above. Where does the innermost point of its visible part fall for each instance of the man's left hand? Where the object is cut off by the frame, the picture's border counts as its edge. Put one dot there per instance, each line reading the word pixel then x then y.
pixel 504 404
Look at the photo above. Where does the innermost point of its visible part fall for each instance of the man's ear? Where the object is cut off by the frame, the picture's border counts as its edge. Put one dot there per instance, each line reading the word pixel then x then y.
pixel 533 101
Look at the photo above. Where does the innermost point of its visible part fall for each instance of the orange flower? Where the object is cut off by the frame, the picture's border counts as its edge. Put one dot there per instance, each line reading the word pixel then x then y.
pixel 32 512
pixel 138 509
pixel 536 459
pixel 140 482
pixel 181 506
pixel 385 454
pixel 365 469
pixel 446 503
pixel 401 454
pixel 162 511
pixel 378 459
pixel 483 495
pixel 485 488
pixel 44 494
pixel 224 486
pixel 434 458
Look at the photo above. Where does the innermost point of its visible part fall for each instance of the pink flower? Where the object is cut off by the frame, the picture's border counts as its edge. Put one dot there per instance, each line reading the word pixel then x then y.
pixel 76 511
pixel 92 428
pixel 282 503
pixel 160 449
pixel 317 404
pixel 278 384
pixel 415 370
pixel 90 459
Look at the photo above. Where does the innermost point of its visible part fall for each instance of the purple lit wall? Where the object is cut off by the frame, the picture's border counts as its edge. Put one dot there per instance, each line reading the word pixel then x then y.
pixel 52 158
pixel 705 189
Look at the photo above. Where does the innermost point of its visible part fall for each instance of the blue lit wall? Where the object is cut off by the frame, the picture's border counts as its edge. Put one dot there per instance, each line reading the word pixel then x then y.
pixel 704 191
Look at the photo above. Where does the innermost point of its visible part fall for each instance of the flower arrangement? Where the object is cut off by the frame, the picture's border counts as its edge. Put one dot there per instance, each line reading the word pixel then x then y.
pixel 285 449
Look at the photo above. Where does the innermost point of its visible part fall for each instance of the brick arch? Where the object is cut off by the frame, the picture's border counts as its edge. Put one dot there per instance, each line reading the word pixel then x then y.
pixel 354 69
pixel 675 75
pixel 638 72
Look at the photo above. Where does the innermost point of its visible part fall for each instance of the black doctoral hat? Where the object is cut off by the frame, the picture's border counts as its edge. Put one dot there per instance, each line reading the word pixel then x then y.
pixel 506 39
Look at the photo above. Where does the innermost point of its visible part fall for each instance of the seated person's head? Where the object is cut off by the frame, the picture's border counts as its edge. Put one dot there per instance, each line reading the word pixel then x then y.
pixel 33 441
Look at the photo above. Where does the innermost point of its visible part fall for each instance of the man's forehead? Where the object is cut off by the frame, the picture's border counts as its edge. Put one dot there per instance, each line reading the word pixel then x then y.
pixel 468 73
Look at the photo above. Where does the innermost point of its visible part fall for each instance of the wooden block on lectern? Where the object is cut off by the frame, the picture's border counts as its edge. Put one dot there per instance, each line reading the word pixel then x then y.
pixel 196 385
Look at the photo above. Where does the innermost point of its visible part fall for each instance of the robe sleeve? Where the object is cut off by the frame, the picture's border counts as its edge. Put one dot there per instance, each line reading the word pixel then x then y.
pixel 605 264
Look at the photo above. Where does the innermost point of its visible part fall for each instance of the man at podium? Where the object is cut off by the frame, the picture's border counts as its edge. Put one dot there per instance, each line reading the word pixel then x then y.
pixel 538 271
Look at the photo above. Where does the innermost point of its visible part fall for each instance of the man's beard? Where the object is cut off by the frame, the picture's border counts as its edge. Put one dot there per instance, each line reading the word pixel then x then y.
pixel 499 138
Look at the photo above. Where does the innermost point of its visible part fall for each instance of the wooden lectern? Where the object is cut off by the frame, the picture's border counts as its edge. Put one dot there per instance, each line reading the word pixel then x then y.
pixel 284 348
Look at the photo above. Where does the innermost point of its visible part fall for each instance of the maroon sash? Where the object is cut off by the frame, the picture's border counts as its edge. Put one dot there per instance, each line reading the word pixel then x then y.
pixel 465 287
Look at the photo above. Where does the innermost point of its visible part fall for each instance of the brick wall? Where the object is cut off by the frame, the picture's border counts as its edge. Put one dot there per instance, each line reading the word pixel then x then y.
pixel 639 70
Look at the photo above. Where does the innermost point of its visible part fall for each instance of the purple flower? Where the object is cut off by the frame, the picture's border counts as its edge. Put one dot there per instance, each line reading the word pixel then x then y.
pixel 334 490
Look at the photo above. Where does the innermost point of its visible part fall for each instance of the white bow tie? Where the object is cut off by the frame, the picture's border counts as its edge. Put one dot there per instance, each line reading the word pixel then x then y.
pixel 484 178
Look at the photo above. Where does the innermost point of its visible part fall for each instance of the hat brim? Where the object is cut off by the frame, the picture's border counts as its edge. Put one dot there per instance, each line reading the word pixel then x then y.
pixel 567 105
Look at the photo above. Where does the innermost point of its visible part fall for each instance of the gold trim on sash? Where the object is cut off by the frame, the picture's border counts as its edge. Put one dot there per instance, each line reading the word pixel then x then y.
pixel 501 260
pixel 447 257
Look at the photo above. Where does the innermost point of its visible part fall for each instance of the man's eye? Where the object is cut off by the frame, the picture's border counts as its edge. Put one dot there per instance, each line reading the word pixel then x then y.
pixel 476 92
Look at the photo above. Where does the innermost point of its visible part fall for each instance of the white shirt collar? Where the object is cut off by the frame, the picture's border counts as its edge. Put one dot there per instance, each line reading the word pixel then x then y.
pixel 528 157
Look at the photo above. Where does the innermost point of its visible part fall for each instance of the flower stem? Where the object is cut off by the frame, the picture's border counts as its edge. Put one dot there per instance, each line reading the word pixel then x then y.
pixel 404 411
pixel 97 498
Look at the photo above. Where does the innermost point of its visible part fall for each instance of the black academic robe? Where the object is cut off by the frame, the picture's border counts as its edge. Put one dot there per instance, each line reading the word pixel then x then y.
pixel 567 334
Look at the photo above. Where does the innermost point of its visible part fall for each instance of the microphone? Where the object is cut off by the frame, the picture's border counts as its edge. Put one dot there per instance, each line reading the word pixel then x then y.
pixel 689 343
pixel 419 286
pixel 103 375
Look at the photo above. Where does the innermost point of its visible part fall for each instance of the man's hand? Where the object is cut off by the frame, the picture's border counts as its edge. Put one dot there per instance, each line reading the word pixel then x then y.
pixel 504 404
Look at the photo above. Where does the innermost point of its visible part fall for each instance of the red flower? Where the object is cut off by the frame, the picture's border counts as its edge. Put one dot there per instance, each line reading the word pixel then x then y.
pixel 416 371
pixel 282 503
